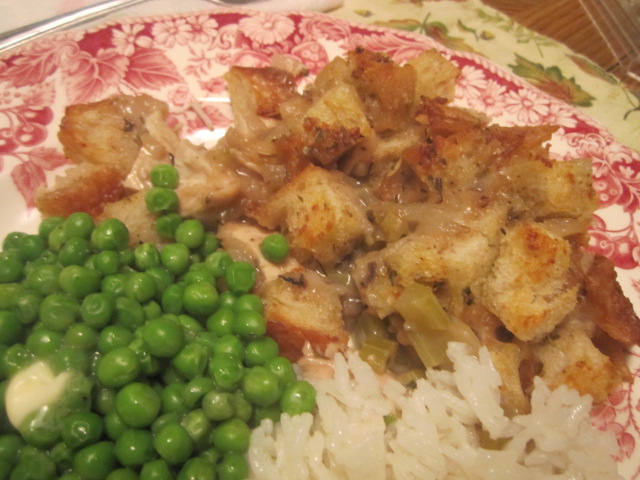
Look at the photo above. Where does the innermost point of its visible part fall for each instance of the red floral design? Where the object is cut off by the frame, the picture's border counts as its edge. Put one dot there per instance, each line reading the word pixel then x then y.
pixel 183 57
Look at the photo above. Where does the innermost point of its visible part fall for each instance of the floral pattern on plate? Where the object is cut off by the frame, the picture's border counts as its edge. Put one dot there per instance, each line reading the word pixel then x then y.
pixel 182 59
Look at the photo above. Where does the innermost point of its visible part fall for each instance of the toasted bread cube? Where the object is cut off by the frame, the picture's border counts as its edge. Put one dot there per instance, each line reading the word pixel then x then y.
pixel 341 107
pixel 381 276
pixel 571 359
pixel 436 76
pixel 531 288
pixel 387 89
pixel 556 189
pixel 319 213
pixel 82 188
pixel 301 307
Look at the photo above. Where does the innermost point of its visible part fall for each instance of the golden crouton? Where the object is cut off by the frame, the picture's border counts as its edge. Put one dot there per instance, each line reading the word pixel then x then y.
pixel 260 90
pixel 302 307
pixel 387 89
pixel 570 358
pixel 556 189
pixel 436 76
pixel 531 288
pixel 319 213
pixel 83 188
pixel 107 132
pixel 381 276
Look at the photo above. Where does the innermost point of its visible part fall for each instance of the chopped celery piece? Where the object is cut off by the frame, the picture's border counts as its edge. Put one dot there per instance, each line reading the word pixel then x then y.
pixel 372 326
pixel 377 352
pixel 421 309
pixel 431 345
pixel 410 376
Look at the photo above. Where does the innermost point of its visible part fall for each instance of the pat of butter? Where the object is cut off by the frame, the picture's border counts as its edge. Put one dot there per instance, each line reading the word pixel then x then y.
pixel 31 389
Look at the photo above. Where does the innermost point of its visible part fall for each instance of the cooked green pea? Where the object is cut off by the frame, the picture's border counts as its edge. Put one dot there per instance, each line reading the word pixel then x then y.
pixel 261 387
pixel 240 277
pixel 172 299
pixel 122 474
pixel 56 238
pixel 10 268
pixel 58 311
pixel 134 447
pixel 12 239
pixel 36 466
pixel 260 350
pixel 114 426
pixel 43 279
pixel 62 455
pixel 226 370
pixel 15 358
pixel 138 404
pixel 48 224
pixel 218 262
pixel 113 336
pixel 42 342
pixel 107 262
pixel 167 224
pixel 161 200
pixel 233 466
pixel 193 391
pixel 140 287
pixel 10 328
pixel 110 234
pixel 229 345
pixel 218 406
pixel 227 299
pixel 197 469
pixel 128 313
pixel 105 400
pixel 79 281
pixel 175 257
pixel 41 429
pixel 232 435
pixel 197 275
pixel 97 309
pixel 66 359
pixel 281 367
pixel 114 284
pixel 146 256
pixel 152 310
pixel 96 461
pixel 191 361
pixel 26 306
pixel 190 233
pixel 163 337
pixel 199 428
pixel 221 322
pixel 118 367
pixel 298 397
pixel 210 244
pixel 248 301
pixel 78 224
pixel 157 470
pixel 10 446
pixel 81 336
pixel 31 247
pixel 190 325
pixel 275 247
pixel 200 299
pixel 164 175
pixel 172 399
pixel 80 429
pixel 173 443
pixel 162 279
pixel 272 412
pixel 75 251
pixel 249 324
pixel 149 365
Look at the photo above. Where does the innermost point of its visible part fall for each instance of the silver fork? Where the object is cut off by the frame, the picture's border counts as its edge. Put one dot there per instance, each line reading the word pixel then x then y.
pixel 27 33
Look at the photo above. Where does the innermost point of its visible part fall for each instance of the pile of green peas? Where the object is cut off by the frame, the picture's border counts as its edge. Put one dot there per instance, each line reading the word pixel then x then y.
pixel 170 363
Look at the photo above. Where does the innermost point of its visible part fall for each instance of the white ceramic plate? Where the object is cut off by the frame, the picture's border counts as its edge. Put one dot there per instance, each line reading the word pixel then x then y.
pixel 182 57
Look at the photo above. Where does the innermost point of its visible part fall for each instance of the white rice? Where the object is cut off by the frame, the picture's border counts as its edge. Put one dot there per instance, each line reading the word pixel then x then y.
pixel 435 435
